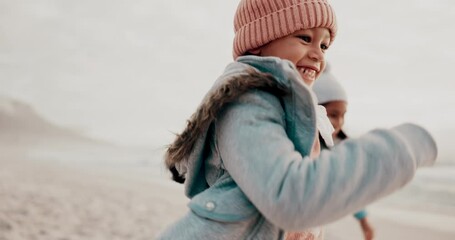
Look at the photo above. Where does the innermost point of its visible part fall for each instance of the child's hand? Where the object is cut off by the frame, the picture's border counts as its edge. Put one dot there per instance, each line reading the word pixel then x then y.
pixel 368 231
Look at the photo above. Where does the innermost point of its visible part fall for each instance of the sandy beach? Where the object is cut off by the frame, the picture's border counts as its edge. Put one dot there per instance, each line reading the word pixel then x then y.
pixel 389 228
pixel 54 201
pixel 49 199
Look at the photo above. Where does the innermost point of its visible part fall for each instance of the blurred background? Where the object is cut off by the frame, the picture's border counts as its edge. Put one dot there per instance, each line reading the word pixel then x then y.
pixel 107 84
pixel 131 72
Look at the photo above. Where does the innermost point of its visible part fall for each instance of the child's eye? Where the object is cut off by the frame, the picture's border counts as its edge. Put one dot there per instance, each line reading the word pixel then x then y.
pixel 324 47
pixel 305 38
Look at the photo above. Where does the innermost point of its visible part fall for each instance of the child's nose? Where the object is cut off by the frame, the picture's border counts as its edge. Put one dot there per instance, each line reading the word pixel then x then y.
pixel 316 54
pixel 340 122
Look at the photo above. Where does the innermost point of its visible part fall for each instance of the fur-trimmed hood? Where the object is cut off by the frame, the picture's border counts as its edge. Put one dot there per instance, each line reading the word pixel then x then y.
pixel 279 77
pixel 228 88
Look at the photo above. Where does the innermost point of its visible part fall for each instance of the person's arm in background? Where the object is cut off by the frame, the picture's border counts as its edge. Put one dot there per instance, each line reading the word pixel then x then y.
pixel 367 229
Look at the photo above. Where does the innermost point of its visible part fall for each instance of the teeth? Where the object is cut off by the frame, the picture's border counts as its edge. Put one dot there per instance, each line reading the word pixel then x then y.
pixel 309 72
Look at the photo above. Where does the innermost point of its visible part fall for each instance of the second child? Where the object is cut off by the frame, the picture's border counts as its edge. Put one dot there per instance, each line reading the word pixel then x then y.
pixel 331 94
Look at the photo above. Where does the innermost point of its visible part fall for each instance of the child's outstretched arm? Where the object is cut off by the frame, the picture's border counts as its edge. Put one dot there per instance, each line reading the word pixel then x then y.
pixel 296 193
pixel 367 229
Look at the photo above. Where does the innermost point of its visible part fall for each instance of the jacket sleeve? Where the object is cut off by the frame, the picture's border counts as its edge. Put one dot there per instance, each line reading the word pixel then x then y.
pixel 296 193
pixel 360 214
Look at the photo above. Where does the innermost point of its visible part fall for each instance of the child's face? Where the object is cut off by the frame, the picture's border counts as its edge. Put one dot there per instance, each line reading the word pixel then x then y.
pixel 305 48
pixel 336 111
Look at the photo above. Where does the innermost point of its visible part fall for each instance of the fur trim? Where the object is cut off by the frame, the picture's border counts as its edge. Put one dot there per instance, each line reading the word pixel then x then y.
pixel 200 121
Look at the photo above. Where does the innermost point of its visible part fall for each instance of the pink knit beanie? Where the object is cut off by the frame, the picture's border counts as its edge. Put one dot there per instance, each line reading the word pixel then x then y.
pixel 258 22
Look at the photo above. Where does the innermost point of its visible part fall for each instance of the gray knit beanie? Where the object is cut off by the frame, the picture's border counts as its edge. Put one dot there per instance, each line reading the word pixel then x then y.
pixel 328 89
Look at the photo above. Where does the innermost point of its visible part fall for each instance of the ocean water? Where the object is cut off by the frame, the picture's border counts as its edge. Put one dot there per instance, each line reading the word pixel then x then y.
pixel 427 202
pixel 431 190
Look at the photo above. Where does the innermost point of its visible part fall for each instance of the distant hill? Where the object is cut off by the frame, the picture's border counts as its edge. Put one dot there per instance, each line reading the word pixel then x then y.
pixel 20 122
pixel 25 133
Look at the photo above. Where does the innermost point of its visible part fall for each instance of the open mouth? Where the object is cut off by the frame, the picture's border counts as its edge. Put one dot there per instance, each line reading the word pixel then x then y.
pixel 307 73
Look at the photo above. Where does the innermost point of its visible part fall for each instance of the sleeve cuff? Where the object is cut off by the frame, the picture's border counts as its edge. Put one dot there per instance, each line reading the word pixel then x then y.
pixel 360 214
pixel 421 144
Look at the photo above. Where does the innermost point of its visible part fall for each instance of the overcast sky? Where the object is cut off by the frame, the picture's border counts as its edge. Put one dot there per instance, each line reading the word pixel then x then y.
pixel 133 71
